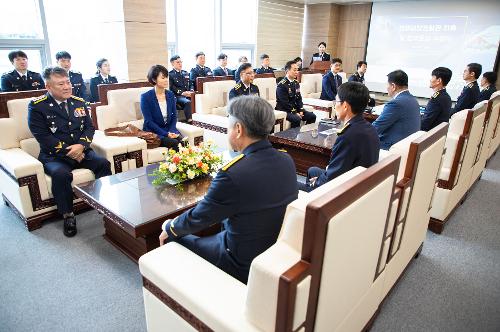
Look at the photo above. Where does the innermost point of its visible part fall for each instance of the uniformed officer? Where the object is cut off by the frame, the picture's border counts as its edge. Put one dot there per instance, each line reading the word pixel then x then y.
pixel 321 55
pixel 357 143
pixel 64 60
pixel 63 128
pixel 265 68
pixel 245 85
pixel 249 195
pixel 288 98
pixel 298 61
pixel 470 93
pixel 488 82
pixel 102 77
pixel 439 106
pixel 331 81
pixel 20 79
pixel 222 70
pixel 179 86
pixel 241 60
pixel 359 76
pixel 199 71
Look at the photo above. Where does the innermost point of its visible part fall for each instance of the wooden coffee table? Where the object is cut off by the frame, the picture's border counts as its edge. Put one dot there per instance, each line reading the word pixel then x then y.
pixel 305 149
pixel 134 209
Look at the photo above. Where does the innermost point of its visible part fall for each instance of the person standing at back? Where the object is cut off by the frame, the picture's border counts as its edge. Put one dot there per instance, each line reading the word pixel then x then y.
pixel 401 116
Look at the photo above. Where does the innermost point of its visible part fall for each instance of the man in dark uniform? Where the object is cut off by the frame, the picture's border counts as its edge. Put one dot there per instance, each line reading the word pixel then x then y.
pixel 222 70
pixel 439 106
pixel 288 98
pixel 357 143
pixel 245 85
pixel 359 76
pixel 321 55
pixel 20 79
pixel 488 84
pixel 63 128
pixel 249 195
pixel 64 61
pixel 199 71
pixel 265 68
pixel 179 86
pixel 331 81
pixel 241 60
pixel 470 93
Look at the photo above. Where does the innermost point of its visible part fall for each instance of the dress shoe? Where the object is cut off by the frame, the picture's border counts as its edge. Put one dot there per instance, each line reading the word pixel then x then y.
pixel 70 226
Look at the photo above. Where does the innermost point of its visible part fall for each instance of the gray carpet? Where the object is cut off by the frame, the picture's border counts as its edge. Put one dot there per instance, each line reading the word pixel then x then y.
pixel 51 283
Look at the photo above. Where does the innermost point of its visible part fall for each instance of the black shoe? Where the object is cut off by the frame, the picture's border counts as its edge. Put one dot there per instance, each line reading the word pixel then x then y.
pixel 70 226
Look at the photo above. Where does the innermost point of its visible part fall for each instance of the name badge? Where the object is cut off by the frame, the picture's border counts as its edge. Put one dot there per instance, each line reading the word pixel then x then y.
pixel 79 112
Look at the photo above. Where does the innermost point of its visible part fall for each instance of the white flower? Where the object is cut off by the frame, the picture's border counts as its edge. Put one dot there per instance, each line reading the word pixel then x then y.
pixel 190 174
pixel 191 161
pixel 172 168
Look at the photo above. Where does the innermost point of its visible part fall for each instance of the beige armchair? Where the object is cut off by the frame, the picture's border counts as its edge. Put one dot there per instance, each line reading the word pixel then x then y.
pixel 123 107
pixel 310 89
pixel 322 274
pixel 495 123
pixel 25 186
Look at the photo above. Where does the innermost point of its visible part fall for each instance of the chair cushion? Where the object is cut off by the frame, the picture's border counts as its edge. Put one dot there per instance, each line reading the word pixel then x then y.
pixel 31 146
pixel 18 110
pixel 8 138
pixel 122 103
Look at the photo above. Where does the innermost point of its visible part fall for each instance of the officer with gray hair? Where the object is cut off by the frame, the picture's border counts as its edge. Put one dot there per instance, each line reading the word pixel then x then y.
pixel 249 195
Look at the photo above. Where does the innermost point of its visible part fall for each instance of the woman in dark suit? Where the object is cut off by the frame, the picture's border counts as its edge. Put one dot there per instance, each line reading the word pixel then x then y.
pixel 158 109
pixel 102 77
pixel 321 55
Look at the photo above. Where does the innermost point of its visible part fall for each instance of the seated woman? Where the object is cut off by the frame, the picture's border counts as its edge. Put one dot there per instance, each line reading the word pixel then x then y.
pixel 102 77
pixel 158 109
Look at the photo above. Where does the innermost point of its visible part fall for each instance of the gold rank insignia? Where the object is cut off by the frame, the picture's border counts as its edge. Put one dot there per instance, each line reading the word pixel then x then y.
pixel 78 98
pixel 172 227
pixel 39 99
pixel 470 85
pixel 282 150
pixel 283 81
pixel 237 86
pixel 435 94
pixel 232 162
pixel 343 129
pixel 85 139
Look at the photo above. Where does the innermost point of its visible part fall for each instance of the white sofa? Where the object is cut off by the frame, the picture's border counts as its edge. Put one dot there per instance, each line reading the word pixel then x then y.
pixel 323 270
pixel 495 122
pixel 124 108
pixel 310 89
pixel 24 185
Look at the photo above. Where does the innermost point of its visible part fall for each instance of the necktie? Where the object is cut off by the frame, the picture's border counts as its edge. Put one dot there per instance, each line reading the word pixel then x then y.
pixel 106 80
pixel 23 78
pixel 336 81
pixel 225 71
pixel 63 107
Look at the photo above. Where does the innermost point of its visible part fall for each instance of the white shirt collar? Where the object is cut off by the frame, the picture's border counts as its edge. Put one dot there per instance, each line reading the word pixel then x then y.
pixel 104 77
pixel 58 101
pixel 400 92
pixel 21 74
pixel 246 86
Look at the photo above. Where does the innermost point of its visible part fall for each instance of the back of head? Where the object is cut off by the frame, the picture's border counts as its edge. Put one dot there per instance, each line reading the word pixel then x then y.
pixel 443 73
pixel 56 70
pixel 255 114
pixel 398 77
pixel 355 94
pixel 476 68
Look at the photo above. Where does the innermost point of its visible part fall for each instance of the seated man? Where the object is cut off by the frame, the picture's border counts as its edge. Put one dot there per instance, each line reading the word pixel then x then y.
pixel 63 128
pixel 401 116
pixel 265 68
pixel 357 143
pixel 64 61
pixel 488 84
pixel 359 76
pixel 245 85
pixel 222 70
pixel 179 86
pixel 439 106
pixel 241 60
pixel 20 79
pixel 199 71
pixel 470 93
pixel 288 98
pixel 252 216
pixel 331 81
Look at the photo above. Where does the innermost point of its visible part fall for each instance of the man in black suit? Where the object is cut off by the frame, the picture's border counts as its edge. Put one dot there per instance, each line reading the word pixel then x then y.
pixel 222 70
pixel 331 81
pixel 249 195
pixel 439 106
pixel 199 71
pixel 357 143
pixel 265 67
pixel 21 79
pixel 179 86
pixel 470 93
pixel 321 55
pixel 488 84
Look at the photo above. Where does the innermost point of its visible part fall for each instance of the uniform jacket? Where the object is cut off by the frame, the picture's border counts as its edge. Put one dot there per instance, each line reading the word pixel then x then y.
pixel 12 81
pixel 324 57
pixel 79 88
pixel 94 82
pixel 357 144
pixel 357 78
pixel 468 98
pixel 177 81
pixel 153 118
pixel 249 196
pixel 329 86
pixel 198 71
pixel 288 97
pixel 55 129
pixel 262 70
pixel 486 93
pixel 220 72
pixel 399 119
pixel 239 90
pixel 437 110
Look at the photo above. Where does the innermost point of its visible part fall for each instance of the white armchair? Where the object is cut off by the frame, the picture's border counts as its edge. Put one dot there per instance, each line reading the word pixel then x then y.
pixel 310 89
pixel 322 273
pixel 494 140
pixel 25 186
pixel 124 108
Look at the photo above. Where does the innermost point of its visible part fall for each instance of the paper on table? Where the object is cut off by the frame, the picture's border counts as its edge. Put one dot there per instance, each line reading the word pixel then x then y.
pixel 378 109
pixel 329 131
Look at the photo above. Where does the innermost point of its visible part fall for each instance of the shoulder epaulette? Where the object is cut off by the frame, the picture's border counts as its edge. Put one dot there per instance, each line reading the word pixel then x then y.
pixel 78 98
pixel 435 94
pixel 282 150
pixel 76 72
pixel 470 85
pixel 237 86
pixel 283 81
pixel 39 99
pixel 343 129
pixel 232 162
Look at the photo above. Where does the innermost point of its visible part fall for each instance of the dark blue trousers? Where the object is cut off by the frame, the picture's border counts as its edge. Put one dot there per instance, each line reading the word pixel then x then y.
pixel 185 104
pixel 294 118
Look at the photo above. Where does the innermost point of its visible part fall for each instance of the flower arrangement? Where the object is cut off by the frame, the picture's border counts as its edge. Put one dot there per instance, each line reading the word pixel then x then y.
pixel 188 163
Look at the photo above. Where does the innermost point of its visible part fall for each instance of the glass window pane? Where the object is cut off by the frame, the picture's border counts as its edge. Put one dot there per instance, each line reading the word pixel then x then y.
pixel 20 19
pixel 233 30
pixel 34 60
pixel 171 21
pixel 233 55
